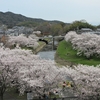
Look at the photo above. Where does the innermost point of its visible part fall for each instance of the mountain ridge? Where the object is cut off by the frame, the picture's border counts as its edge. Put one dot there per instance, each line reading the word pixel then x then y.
pixel 11 19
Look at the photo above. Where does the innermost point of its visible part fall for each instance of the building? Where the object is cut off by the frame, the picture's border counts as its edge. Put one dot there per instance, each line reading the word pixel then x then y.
pixel 86 30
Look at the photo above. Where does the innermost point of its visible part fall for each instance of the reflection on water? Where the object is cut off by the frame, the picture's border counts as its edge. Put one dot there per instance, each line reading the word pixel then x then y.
pixel 47 54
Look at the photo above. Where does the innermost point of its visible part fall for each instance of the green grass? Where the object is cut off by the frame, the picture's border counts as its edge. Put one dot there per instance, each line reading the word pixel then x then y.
pixel 66 52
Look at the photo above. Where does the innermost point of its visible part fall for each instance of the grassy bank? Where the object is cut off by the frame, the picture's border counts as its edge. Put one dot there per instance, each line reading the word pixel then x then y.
pixel 66 53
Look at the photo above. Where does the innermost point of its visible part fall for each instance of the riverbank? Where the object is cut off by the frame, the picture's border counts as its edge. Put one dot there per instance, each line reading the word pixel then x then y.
pixel 57 58
pixel 63 62
pixel 65 54
pixel 39 48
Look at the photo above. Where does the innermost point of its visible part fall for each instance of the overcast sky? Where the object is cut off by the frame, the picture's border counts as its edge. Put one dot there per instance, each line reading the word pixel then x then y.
pixel 63 10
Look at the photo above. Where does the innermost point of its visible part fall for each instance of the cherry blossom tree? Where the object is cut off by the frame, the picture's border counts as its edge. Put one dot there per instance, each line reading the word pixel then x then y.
pixel 86 79
pixel 9 69
pixel 86 44
pixel 23 69
pixel 6 79
pixel 29 72
pixel 22 40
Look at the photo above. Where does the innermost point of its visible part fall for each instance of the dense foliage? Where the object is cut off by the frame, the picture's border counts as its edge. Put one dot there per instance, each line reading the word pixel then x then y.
pixel 77 25
pixel 22 41
pixel 67 55
pixel 29 72
pixel 86 44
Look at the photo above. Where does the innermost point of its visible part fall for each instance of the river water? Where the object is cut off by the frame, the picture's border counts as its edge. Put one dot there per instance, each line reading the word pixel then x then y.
pixel 47 54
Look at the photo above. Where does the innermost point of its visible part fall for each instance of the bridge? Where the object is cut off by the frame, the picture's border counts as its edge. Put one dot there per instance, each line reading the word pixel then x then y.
pixel 48 39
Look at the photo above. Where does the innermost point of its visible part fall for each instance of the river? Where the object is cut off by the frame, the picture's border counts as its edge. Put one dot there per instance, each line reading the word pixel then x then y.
pixel 47 54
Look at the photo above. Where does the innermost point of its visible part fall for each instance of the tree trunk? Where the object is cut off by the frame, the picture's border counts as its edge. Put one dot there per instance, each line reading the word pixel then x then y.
pixel 2 91
pixel 1 96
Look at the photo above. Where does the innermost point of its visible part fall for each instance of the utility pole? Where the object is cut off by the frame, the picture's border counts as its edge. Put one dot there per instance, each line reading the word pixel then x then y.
pixel 53 41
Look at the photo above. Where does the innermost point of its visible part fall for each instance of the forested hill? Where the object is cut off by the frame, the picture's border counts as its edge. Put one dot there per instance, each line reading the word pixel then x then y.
pixel 11 19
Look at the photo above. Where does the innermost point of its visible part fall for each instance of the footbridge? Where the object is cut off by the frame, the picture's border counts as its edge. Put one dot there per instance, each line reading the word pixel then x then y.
pixel 48 39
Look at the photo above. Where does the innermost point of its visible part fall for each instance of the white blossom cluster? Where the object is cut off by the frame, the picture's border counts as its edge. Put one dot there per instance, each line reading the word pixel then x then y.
pixel 30 69
pixel 86 44
pixel 22 40
pixel 86 78
pixel 25 70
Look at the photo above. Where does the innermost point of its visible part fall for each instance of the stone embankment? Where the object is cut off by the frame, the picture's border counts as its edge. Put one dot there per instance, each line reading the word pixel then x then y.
pixel 39 48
